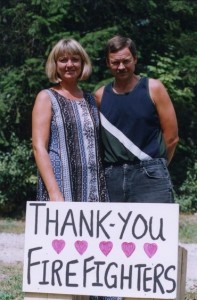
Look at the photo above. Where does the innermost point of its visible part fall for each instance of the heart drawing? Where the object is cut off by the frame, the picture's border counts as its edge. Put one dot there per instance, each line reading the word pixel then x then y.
pixel 128 248
pixel 58 245
pixel 81 246
pixel 150 249
pixel 105 247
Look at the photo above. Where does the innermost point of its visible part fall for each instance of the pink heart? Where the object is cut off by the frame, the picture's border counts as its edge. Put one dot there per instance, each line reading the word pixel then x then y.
pixel 128 248
pixel 58 245
pixel 106 247
pixel 150 249
pixel 81 246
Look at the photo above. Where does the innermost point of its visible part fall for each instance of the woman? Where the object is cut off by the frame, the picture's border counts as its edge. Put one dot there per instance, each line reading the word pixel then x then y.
pixel 66 130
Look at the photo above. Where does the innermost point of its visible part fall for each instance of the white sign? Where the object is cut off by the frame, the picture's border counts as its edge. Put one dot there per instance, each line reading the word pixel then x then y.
pixel 101 249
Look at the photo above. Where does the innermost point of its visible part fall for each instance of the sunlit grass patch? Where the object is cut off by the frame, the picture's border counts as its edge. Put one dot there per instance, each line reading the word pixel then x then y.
pixel 12 226
pixel 188 229
pixel 11 281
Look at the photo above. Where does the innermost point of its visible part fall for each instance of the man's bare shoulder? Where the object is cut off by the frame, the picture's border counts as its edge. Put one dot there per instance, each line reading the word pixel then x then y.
pixel 98 95
pixel 155 84
pixel 99 92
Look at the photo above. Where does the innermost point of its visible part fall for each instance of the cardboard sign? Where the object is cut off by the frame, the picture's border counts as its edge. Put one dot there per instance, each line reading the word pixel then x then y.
pixel 101 249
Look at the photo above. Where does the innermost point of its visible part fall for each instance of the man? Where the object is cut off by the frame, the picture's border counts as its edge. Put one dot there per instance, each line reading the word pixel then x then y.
pixel 139 130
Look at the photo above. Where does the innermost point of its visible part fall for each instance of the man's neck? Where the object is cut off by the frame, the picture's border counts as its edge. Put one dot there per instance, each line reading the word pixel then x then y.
pixel 125 86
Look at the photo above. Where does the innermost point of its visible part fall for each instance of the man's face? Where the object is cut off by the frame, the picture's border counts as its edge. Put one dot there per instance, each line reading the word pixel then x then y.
pixel 122 63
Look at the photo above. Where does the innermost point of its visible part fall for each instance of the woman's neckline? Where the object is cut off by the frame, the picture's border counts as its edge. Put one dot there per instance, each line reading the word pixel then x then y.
pixel 67 97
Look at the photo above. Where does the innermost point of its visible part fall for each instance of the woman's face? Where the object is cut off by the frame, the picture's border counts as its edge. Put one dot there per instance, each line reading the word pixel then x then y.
pixel 69 67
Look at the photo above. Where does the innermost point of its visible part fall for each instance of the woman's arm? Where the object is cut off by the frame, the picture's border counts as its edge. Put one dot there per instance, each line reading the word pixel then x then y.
pixel 41 120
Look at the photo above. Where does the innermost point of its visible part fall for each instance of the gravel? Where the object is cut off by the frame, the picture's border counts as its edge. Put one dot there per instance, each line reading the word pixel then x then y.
pixel 12 250
pixel 191 277
pixel 11 247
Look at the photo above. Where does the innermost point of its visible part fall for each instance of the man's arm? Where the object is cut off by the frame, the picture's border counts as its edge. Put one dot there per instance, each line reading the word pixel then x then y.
pixel 167 115
pixel 98 96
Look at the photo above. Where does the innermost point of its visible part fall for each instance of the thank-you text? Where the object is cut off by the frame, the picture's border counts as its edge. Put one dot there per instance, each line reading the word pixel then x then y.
pixel 106 249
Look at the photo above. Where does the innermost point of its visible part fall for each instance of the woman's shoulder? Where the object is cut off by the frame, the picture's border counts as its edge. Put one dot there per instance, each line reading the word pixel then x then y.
pixel 43 97
pixel 44 92
pixel 88 95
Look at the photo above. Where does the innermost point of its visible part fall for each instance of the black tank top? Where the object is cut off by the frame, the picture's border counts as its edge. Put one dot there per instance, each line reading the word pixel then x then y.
pixel 130 125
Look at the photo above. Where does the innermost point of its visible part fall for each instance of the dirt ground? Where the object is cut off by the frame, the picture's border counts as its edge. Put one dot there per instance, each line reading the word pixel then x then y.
pixel 12 250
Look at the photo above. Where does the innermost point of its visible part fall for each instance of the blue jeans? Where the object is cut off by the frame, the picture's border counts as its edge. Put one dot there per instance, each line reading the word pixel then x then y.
pixel 146 181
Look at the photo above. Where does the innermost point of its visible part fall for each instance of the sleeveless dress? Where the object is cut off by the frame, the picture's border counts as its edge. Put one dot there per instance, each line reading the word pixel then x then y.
pixel 74 150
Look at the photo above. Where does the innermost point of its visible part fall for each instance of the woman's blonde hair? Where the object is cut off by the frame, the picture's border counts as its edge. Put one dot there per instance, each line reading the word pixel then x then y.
pixel 71 47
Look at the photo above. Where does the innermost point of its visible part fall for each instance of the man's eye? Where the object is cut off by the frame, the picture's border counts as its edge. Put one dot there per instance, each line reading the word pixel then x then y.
pixel 115 63
pixel 124 62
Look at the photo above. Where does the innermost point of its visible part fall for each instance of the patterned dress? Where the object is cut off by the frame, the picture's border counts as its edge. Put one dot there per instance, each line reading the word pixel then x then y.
pixel 74 150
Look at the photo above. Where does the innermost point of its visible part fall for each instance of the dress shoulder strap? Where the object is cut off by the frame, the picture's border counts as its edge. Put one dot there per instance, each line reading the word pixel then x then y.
pixel 51 96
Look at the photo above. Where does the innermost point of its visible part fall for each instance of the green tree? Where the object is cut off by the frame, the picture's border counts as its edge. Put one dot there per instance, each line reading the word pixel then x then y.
pixel 166 37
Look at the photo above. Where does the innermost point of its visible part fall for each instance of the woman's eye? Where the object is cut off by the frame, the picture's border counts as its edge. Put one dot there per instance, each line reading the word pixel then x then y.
pixel 63 59
pixel 75 59
pixel 72 60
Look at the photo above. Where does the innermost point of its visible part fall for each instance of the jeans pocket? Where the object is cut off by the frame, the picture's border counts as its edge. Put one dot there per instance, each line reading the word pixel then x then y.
pixel 108 171
pixel 156 171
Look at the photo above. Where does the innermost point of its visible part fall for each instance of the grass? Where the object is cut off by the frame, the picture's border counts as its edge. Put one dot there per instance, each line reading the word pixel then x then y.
pixel 188 228
pixel 11 281
pixel 12 226
pixel 11 274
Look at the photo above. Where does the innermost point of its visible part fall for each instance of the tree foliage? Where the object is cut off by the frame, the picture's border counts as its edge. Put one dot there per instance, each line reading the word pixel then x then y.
pixel 166 38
